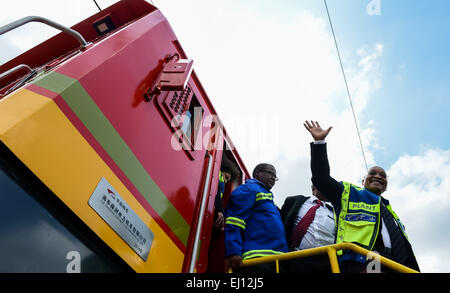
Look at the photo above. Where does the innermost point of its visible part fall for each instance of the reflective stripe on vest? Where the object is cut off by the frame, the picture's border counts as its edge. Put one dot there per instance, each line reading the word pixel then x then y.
pixel 341 220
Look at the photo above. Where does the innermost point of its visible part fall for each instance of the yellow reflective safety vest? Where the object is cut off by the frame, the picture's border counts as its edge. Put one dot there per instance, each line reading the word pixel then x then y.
pixel 221 184
pixel 359 218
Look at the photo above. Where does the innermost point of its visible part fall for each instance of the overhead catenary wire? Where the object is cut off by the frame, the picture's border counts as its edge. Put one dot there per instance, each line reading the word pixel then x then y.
pixel 346 85
pixel 96 4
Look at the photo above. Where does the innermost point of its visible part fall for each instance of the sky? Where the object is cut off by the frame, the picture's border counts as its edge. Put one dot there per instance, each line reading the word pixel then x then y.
pixel 268 66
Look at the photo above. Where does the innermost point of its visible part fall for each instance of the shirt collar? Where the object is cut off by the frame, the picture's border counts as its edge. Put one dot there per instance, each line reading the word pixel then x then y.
pixel 312 198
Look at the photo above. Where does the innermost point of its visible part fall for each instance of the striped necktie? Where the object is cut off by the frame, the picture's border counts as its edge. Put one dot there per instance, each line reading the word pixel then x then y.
pixel 300 229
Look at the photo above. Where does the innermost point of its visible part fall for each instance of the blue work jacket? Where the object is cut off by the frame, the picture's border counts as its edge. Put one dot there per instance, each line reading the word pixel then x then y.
pixel 253 226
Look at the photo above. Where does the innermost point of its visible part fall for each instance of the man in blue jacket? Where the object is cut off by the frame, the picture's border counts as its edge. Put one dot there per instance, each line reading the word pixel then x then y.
pixel 253 226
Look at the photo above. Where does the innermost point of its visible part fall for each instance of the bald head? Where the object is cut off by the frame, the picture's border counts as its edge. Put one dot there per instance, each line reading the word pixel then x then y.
pixel 376 180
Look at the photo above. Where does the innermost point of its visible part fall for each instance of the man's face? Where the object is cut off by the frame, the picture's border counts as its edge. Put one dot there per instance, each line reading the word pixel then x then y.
pixel 318 194
pixel 226 176
pixel 268 176
pixel 376 180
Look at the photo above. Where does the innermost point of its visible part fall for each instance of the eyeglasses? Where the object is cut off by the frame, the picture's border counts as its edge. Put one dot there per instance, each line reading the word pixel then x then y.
pixel 271 174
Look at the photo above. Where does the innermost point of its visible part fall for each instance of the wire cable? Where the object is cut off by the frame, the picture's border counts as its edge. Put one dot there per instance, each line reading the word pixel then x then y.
pixel 346 86
pixel 97 5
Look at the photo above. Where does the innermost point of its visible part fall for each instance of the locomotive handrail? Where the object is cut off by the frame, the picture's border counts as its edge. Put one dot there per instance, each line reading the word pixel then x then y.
pixel 27 19
pixel 331 251
pixel 14 69
pixel 201 215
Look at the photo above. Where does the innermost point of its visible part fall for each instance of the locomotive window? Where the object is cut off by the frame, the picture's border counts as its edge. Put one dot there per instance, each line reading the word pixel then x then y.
pixel 37 234
pixel 187 122
pixel 184 113
pixel 192 120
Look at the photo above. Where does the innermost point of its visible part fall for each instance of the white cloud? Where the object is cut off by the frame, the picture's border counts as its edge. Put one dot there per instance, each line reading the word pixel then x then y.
pixel 344 152
pixel 419 190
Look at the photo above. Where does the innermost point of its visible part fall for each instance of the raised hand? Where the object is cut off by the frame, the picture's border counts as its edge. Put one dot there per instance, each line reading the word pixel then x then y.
pixel 316 131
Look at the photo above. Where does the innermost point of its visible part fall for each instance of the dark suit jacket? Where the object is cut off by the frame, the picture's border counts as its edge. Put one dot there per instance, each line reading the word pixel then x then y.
pixel 312 264
pixel 289 212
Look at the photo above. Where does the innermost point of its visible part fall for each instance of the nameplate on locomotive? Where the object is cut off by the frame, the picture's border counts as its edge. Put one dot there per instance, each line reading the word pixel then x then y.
pixel 116 212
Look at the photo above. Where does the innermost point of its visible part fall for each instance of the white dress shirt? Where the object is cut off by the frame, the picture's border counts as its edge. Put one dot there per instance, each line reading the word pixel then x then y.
pixel 322 230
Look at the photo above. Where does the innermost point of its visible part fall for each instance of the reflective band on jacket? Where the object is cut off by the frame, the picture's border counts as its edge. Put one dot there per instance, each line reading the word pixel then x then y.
pixel 263 196
pixel 236 222
pixel 259 253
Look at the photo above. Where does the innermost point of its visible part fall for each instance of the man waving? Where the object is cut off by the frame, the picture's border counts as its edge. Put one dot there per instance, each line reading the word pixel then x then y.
pixel 364 216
